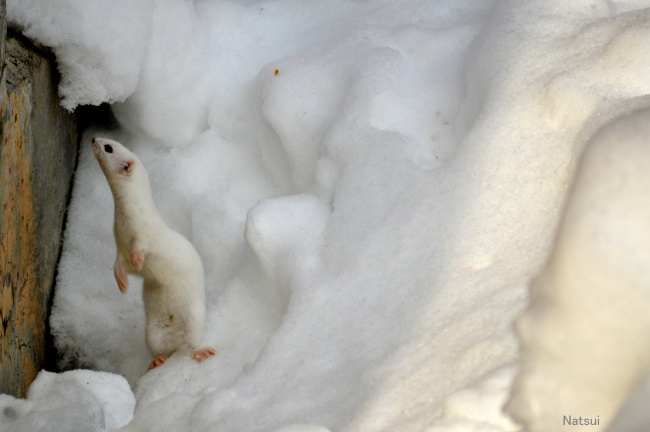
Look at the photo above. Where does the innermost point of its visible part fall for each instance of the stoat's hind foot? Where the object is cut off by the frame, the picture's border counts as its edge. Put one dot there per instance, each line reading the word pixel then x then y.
pixel 201 354
pixel 157 362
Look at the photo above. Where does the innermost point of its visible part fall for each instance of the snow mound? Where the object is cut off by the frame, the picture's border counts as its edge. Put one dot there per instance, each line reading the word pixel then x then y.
pixel 100 46
pixel 79 400
pixel 581 333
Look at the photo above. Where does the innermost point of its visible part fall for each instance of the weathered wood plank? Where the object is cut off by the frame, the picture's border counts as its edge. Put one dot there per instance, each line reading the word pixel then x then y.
pixel 38 152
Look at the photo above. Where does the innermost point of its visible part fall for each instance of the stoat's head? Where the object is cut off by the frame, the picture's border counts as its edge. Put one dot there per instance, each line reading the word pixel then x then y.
pixel 116 161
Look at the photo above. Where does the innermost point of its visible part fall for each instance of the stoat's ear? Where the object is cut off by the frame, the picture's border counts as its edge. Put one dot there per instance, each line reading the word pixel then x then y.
pixel 128 167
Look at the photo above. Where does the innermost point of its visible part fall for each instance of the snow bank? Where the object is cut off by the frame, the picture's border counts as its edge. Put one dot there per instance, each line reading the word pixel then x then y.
pixel 78 400
pixel 100 46
pixel 633 415
pixel 581 350
pixel 371 187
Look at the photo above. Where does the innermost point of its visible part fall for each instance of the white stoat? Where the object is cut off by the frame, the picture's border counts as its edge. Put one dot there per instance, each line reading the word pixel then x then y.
pixel 174 289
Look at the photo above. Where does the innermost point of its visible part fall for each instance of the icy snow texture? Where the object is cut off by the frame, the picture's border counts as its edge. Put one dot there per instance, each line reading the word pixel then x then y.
pixel 77 400
pixel 371 186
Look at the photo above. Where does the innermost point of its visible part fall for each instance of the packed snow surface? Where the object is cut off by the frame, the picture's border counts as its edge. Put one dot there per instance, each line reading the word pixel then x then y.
pixel 371 186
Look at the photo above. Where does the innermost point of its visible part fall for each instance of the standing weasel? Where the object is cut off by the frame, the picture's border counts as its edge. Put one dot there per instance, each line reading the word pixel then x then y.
pixel 174 288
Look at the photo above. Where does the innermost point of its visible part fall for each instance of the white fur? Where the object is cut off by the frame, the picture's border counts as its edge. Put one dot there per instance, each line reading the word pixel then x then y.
pixel 174 289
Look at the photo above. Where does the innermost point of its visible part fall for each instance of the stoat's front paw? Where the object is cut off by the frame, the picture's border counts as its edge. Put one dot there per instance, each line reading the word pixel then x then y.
pixel 120 275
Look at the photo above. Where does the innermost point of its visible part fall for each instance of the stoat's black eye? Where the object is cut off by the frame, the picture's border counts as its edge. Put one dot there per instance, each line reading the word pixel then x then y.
pixel 108 148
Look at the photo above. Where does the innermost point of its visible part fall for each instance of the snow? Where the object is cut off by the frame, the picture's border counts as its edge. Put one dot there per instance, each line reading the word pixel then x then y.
pixel 94 66
pixel 589 308
pixel 71 401
pixel 371 186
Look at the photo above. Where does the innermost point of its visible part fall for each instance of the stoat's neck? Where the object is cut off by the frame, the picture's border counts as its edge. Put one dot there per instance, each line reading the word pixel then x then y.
pixel 133 200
